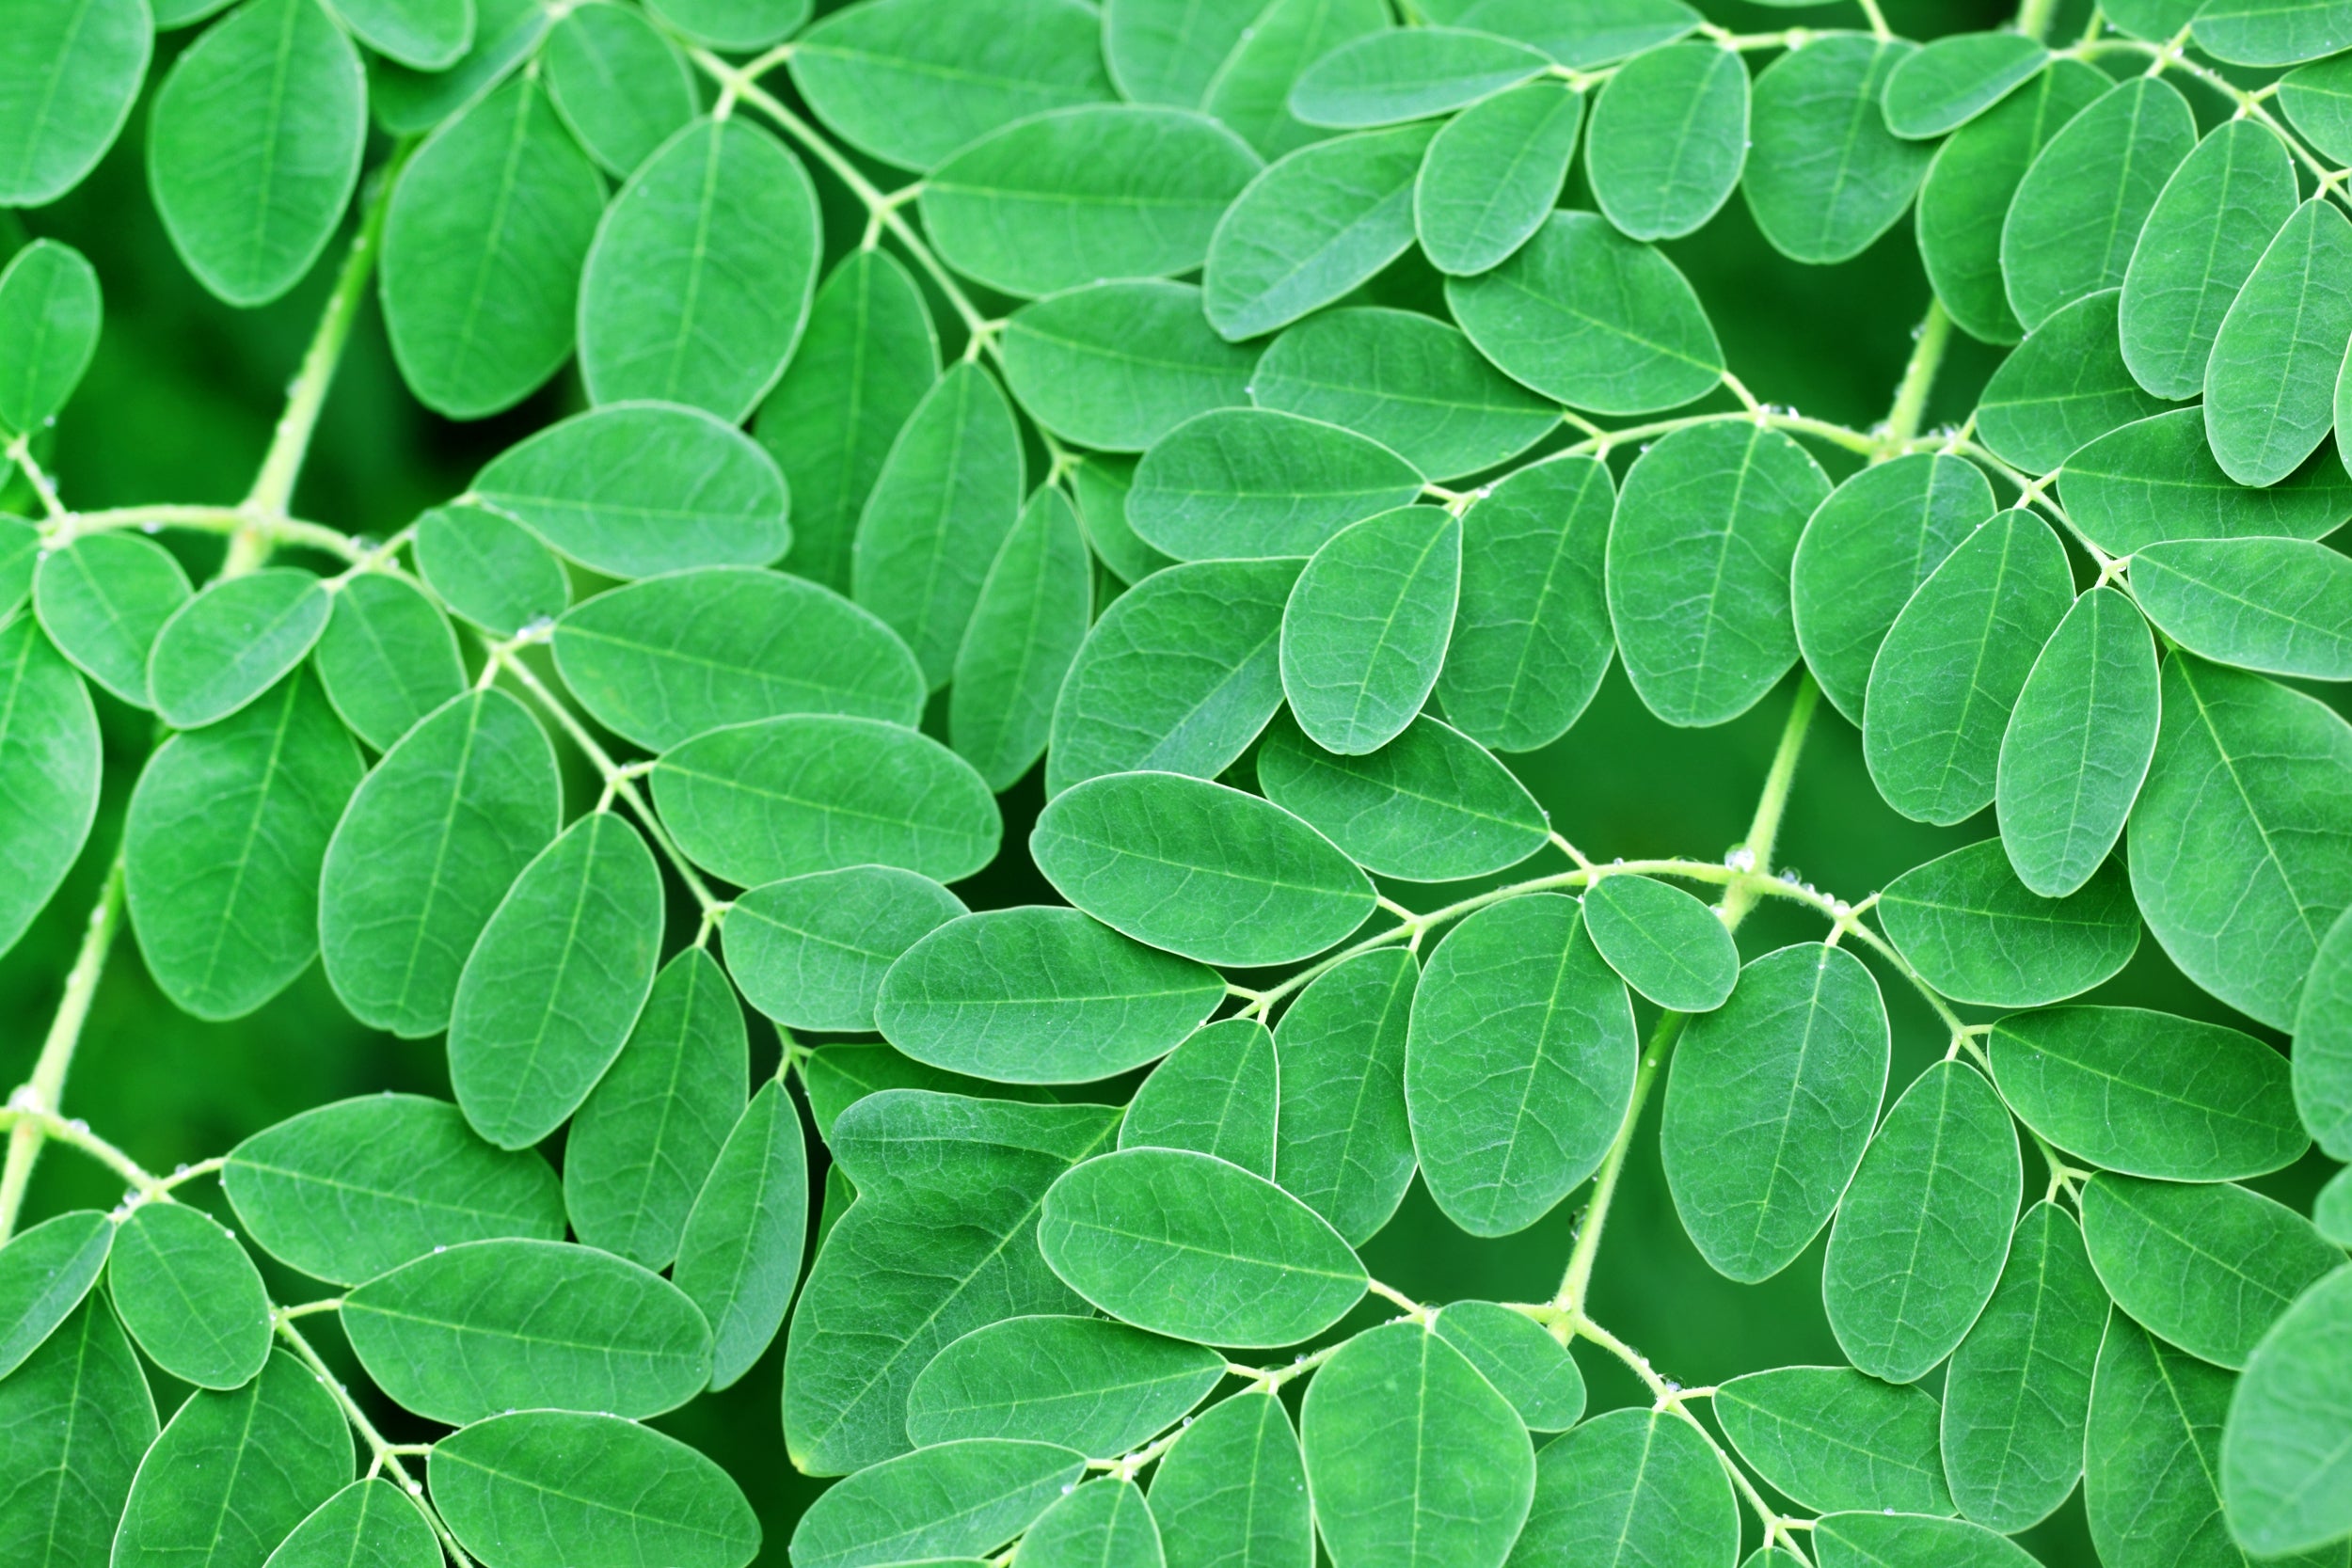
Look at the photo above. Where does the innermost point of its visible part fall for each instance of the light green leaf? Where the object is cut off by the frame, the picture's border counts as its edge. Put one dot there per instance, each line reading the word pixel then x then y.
pixel 1826 177
pixel 1119 365
pixel 1953 79
pixel 740 1254
pixel 2079 209
pixel 369 1524
pixel 44 1274
pixel 1630 1487
pixel 2065 387
pixel 1104 1524
pixel 488 569
pixel 1526 1365
pixel 1669 137
pixel 2331 1212
pixel 1831 1438
pixel 1978 934
pixel 941 507
pixel 1198 869
pixel 1954 662
pixel 1251 91
pixel 620 86
pixel 1430 806
pixel 1769 1105
pixel 1343 1143
pixel 2154 480
pixel 1075 195
pixel 866 358
pixel 953 1499
pixel 429 35
pixel 1169 50
pixel 2017 1395
pixel 1254 483
pixel 407 102
pixel 453 241
pixel 810 952
pixel 2322 1068
pixel 1886 1539
pixel 647 1135
pixel 2269 387
pixel 1493 173
pixel 1310 228
pixel 2315 100
pixel 50 314
pixel 1388 77
pixel 815 792
pixel 546 1488
pixel 735 24
pixel 2240 858
pixel 20 555
pixel 2092 697
pixel 66 87
pixel 2153 1454
pixel 642 488
pixel 1518 1063
pixel 387 657
pixel 1024 633
pixel 2284 1455
pixel 1087 1384
pixel 2147 1093
pixel 1187 1245
pixel 2267 32
pixel 232 642
pixel 1594 33
pixel 700 279
pixel 2277 605
pixel 1666 945
pixel 837 1075
pixel 1216 1092
pixel 101 600
pixel 663 660
pixel 1922 1232
pixel 427 848
pixel 1367 625
pixel 74 1421
pixel 2208 1267
pixel 1233 1492
pixel 1698 567
pixel 2152 21
pixel 50 752
pixel 2205 232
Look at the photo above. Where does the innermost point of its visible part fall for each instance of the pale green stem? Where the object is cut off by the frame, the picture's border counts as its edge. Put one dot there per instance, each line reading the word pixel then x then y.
pixel 69 526
pixel 1764 829
pixel 20 451
pixel 1578 1280
pixel 1911 396
pixel 35 1103
pixel 2033 17
pixel 1796 424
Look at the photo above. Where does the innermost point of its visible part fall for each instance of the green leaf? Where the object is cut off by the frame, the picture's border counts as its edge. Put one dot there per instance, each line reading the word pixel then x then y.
pixel 1923 1230
pixel 1310 228
pixel 1669 137
pixel 930 1250
pixel 2203 235
pixel 256 137
pixel 427 848
pixel 2245 33
pixel 1388 77
pixel 1041 995
pixel 1518 1064
pixel 1255 483
pixel 2091 696
pixel 1187 1245
pixel 2156 479
pixel 663 660
pixel 1953 665
pixel 50 752
pixel 647 1135
pixel 836 1076
pixel 1526 1365
pixel 408 102
pixel 1831 1438
pixel 620 86
pixel 1367 626
pixel 1119 365
pixel 226 833
pixel 868 354
pixel 1698 567
pixel 74 1421
pixel 947 496
pixel 460 1334
pixel 2332 1210
pixel 2269 387
pixel 1104 1524
pixel 2152 21
pixel 348 1190
pixel 1492 175
pixel 1198 869
pixel 912 81
pixel 101 600
pixel 1594 33
pixel 1826 177
pixel 810 952
pixel 1955 79
pixel 1978 934
pixel 1343 1143
pixel 1216 1092
pixel 2277 605
pixel 1882 1539
pixel 1024 633
pixel 1087 1384
pixel 1865 550
pixel 2322 1068
pixel 555 981
pixel 1075 195
pixel 66 87
pixel 44 1274
pixel 489 569
pixel 2079 211
pixel 1233 1492
pixel 2284 1455
pixel 50 312
pixel 2017 1396
pixel 1665 943
pixel 452 241
pixel 1582 314
pixel 1632 1486
pixel 387 657
pixel 816 792
pixel 237 1470
pixel 2239 856
pixel 1170 51
pixel 232 642
pixel 20 555
pixel 1769 1105
pixel 1180 673
pixel 736 25
pixel 2153 1455
pixel 2208 1267
pixel 2314 98
pixel 1967 195
pixel 545 1488
pixel 1252 88
pixel 740 1254
pixel 1431 806
pixel 369 1524
pixel 1413 1456
pixel 2065 387
pixel 954 1499
pixel 1409 382
pixel 642 488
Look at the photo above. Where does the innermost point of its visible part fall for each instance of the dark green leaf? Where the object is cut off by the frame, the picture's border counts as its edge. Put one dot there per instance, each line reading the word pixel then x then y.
pixel 1826 177
pixel 1430 806
pixel 1087 1384
pixel 837 1075
pixel 1343 1143
pixel 740 1254
pixel 2278 605
pixel 811 951
pixel 1493 173
pixel 1254 483
pixel 1831 1438
pixel 408 102
pixel 1669 137
pixel 1594 33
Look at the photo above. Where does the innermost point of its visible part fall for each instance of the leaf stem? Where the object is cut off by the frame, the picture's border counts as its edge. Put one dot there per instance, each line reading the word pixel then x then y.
pixel 1910 394
pixel 33 1108
pixel 66 527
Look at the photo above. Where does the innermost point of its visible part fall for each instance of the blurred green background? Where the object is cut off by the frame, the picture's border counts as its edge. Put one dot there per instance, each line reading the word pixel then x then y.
pixel 179 406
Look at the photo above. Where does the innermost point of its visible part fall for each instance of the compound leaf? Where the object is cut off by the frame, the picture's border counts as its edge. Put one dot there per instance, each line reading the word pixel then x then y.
pixel 1118 365
pixel 2206 231
pixel 1978 934
pixel 810 952
pixel 1669 138
pixel 738 1253
pixel 1632 1486
pixel 1312 227
pixel 1492 175
pixel 1216 1092
pixel 1826 177
pixel 1087 1383
pixel 1666 945
pixel 2276 605
pixel 1257 484
pixel 1430 806
pixel 2206 1267
pixel 1343 1142
pixel 2079 211
pixel 1831 1438
pixel 1367 625
pixel 1026 630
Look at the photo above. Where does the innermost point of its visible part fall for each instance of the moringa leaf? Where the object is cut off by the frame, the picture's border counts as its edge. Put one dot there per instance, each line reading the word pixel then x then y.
pixel 2206 1267
pixel 2154 480
pixel 1666 945
pixel 1250 90
pixel 487 568
pixel 1978 934
pixel 2080 211
pixel 1119 365
pixel 735 23
pixel 2208 227
pixel 2322 1066
pixel 964 1498
pixel 1343 1141
pixel 2270 385
pixel 1367 625
pixel 50 750
pixel 1912 1541
pixel 76 1419
pixel 622 87
pixel 66 88
pixel 1831 1438
pixel 1397 74
pixel 1826 177
pixel 1087 1383
pixel 2152 1456
pixel 1595 32
pixel 1430 806
pixel 1233 1492
pixel 2065 387
pixel 2249 34
pixel 50 314
pixel 368 1522
pixel 1492 175
pixel 738 1253
pixel 45 1272
pixel 101 600
pixel 1255 483
pixel 189 1295
pixel 1216 1092
pixel 234 640
pixel 387 657
pixel 1669 138
pixel 811 951
pixel 1953 79
pixel 2283 1450
pixel 1104 1524
pixel 2281 605
pixel 1026 631
pixel 1526 1365
pixel 1632 1486
pixel 1312 227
